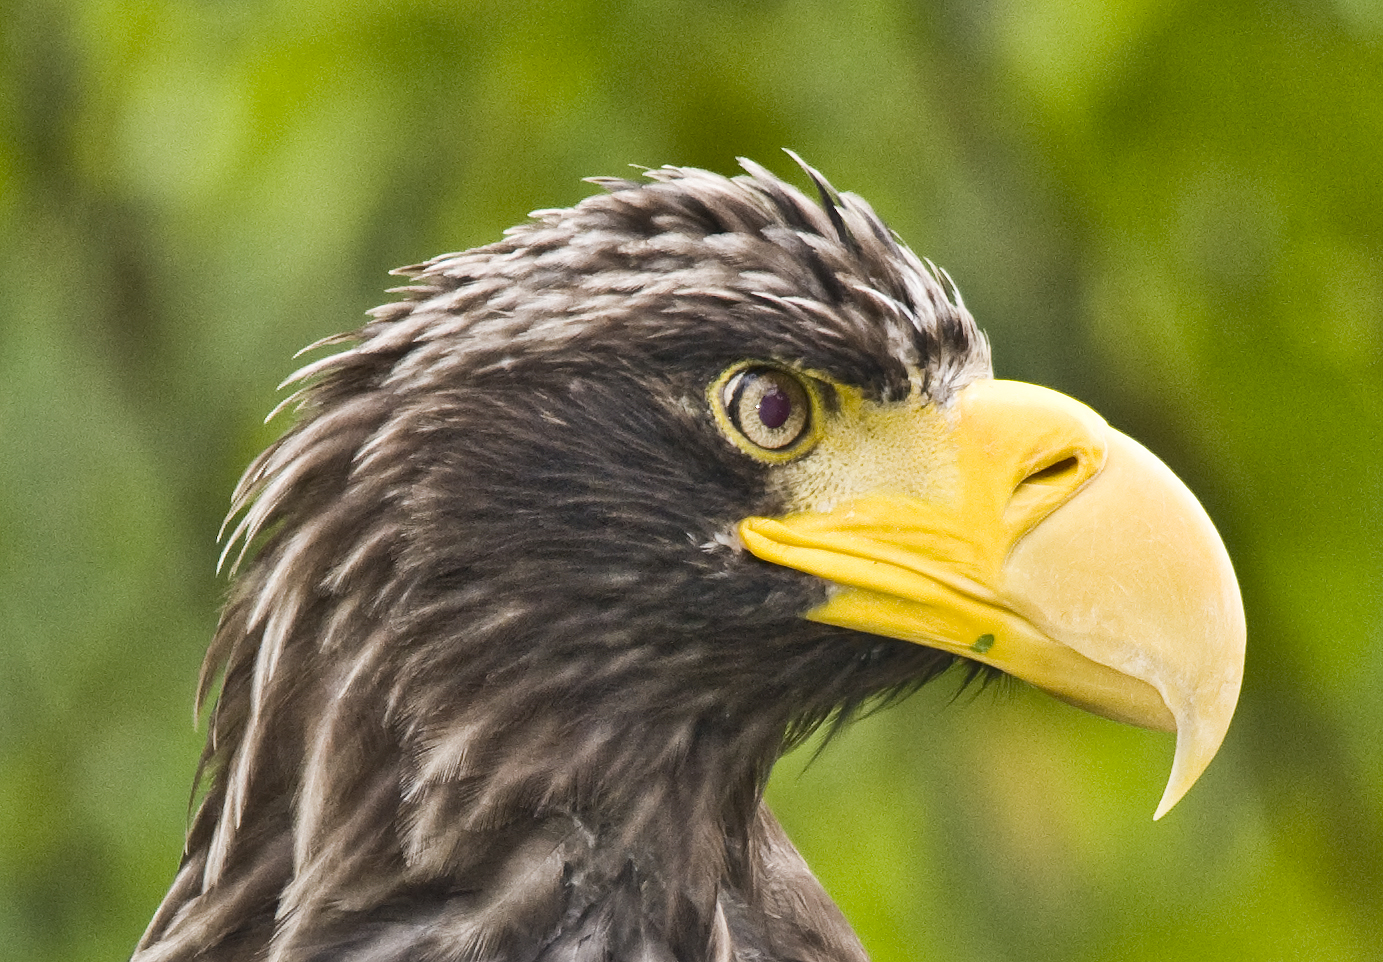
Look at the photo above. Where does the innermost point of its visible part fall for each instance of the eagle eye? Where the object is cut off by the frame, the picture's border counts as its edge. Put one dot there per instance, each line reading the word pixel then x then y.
pixel 768 410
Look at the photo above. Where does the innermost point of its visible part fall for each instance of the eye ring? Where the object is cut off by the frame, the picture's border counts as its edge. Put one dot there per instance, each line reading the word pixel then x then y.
pixel 768 411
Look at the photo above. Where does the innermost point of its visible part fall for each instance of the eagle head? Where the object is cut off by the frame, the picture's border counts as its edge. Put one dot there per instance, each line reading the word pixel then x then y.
pixel 569 543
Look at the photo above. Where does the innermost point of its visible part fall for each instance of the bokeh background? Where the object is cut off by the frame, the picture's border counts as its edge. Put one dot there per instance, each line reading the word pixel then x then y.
pixel 1172 209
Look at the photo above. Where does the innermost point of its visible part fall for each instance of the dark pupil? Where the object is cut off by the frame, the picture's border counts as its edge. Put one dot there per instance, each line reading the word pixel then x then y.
pixel 774 408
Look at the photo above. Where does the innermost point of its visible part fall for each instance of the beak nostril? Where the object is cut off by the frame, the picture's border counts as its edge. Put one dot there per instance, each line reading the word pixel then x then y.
pixel 1043 490
pixel 1057 473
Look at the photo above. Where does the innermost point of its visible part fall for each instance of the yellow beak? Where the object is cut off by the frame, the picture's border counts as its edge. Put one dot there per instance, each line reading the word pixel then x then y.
pixel 1016 528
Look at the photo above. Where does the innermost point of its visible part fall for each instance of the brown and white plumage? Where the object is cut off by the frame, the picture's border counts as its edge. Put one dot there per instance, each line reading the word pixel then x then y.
pixel 500 679
pixel 500 682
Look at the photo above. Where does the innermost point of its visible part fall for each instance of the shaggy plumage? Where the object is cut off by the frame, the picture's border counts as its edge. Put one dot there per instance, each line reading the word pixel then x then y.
pixel 499 680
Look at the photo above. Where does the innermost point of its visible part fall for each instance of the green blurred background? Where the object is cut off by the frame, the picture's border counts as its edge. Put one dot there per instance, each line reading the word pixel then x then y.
pixel 1172 209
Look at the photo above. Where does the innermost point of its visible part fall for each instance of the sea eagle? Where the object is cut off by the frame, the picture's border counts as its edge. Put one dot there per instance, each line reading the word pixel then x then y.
pixel 573 540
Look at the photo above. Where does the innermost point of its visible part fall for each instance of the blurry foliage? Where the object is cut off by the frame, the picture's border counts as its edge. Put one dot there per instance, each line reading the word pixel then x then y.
pixel 1173 210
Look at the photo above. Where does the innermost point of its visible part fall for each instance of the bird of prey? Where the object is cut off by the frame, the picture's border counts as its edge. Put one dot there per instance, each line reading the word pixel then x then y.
pixel 571 541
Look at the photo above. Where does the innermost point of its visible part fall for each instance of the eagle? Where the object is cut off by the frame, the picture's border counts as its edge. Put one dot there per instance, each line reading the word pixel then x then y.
pixel 570 542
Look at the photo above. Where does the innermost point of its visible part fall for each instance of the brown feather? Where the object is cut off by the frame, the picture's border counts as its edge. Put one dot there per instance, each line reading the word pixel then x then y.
pixel 498 682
